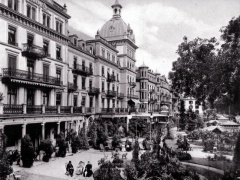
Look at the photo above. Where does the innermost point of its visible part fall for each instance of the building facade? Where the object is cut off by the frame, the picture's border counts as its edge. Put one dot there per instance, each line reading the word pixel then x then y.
pixel 53 81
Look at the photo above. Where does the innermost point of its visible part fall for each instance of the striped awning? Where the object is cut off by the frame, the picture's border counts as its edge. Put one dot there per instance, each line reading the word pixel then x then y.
pixel 35 84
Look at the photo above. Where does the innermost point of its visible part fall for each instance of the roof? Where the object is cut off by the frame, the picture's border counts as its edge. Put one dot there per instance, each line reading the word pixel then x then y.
pixel 229 123
pixel 212 128
pixel 116 4
pixel 143 66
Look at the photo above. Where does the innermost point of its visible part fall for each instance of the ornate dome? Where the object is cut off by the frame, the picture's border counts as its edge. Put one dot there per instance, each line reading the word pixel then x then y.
pixel 116 27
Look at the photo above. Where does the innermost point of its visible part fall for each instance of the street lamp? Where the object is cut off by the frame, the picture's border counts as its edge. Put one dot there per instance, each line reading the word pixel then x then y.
pixel 151 117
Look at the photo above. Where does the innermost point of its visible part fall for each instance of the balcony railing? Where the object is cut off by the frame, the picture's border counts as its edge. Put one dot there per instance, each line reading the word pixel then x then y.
pixel 111 78
pixel 120 95
pixel 132 96
pixel 121 110
pixel 13 43
pixel 33 51
pixel 34 109
pixel 82 70
pixel 93 91
pixel 107 110
pixel 132 110
pixel 72 86
pixel 90 110
pixel 65 109
pixel 156 110
pixel 51 109
pixel 111 93
pixel 132 84
pixel 34 77
pixel 141 110
pixel 12 109
pixel 152 101
pixel 77 109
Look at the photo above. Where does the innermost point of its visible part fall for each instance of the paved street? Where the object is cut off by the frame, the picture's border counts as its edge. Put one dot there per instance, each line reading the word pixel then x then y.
pixel 56 167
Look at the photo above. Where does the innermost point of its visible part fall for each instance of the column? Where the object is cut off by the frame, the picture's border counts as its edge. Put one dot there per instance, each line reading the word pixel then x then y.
pixel 52 98
pixel 1 109
pixel 2 128
pixel 77 126
pixel 37 97
pixel 21 95
pixel 128 118
pixel 24 130
pixel 58 127
pixel 43 131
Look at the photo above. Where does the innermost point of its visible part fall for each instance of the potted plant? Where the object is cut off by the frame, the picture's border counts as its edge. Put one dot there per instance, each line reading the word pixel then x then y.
pixel 27 151
pixel 47 147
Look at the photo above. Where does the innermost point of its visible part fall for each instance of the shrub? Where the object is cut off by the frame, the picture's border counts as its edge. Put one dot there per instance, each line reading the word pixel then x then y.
pixel 84 144
pixel 116 141
pixel 75 144
pixel 27 151
pixel 183 156
pixel 46 145
pixel 135 153
pixel 5 168
pixel 236 157
pixel 62 144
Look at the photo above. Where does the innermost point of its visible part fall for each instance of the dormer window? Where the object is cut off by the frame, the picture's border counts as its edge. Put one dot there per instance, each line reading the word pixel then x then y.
pixel 113 58
pixel 83 46
pixel 103 53
pixel 31 12
pixel 108 56
pixel 46 20
pixel 59 26
pixel 91 49
pixel 13 4
pixel 75 41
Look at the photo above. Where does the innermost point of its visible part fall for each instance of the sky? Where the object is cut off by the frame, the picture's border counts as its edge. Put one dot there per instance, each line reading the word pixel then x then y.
pixel 159 25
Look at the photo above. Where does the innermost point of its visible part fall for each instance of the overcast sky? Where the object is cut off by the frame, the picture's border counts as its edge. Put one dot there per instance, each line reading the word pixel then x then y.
pixel 159 25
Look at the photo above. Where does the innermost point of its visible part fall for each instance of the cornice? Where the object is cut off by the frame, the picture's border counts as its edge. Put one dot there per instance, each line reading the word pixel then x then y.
pixel 103 41
pixel 21 20
pixel 80 50
pixel 116 42
pixel 123 55
pixel 107 61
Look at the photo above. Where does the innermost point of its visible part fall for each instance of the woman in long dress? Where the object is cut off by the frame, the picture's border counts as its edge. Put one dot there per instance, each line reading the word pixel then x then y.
pixel 80 168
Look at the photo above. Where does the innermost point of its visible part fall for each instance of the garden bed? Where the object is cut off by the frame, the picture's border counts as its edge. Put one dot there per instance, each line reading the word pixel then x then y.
pixel 223 165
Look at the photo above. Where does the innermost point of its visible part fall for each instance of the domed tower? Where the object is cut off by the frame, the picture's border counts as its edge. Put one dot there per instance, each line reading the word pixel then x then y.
pixel 121 35
pixel 143 71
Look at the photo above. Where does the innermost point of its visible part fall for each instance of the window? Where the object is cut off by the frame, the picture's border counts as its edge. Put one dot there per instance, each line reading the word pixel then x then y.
pixel 59 73
pixel 12 62
pixel 103 102
pixel 12 35
pixel 75 63
pixel 58 98
pixel 90 101
pixel 91 49
pixel 83 83
pixel 75 41
pixel 75 80
pixel 113 58
pixel 12 95
pixel 45 72
pixel 75 97
pixel 30 97
pixel 113 103
pixel 90 67
pixel 102 70
pixel 103 86
pixel 58 53
pixel 31 12
pixel 45 97
pixel 45 47
pixel 90 84
pixel 46 20
pixel 13 4
pixel 108 55
pixel 59 26
pixel 30 39
pixel 103 53
pixel 30 66
pixel 83 100
pixel 117 77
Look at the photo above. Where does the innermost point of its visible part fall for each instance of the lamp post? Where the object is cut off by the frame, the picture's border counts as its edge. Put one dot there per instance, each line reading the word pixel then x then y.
pixel 151 117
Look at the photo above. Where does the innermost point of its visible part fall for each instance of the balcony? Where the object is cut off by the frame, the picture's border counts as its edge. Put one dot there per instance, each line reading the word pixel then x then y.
pixel 37 109
pixel 111 78
pixel 132 84
pixel 51 110
pixel 156 110
pixel 33 51
pixel 152 91
pixel 107 110
pixel 132 96
pixel 121 111
pixel 14 75
pixel 77 110
pixel 65 109
pixel 114 111
pixel 93 91
pixel 12 109
pixel 110 93
pixel 120 95
pixel 82 70
pixel 166 102
pixel 13 43
pixel 72 87
pixel 152 101
pixel 90 110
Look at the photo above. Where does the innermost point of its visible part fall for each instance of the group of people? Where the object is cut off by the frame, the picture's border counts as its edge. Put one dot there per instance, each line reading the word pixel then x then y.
pixel 80 170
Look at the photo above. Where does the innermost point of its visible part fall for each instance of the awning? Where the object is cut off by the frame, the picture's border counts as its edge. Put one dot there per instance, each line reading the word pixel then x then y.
pixel 36 84
pixel 135 101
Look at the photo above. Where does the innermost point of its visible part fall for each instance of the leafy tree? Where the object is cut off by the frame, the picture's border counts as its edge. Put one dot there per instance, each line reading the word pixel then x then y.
pixel 5 167
pixel 116 141
pixel 83 139
pixel 27 151
pixel 236 157
pixel 139 126
pixel 135 153
pixel 62 144
pixel 182 120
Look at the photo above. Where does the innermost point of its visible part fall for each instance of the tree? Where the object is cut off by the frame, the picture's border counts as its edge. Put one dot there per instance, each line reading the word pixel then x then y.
pixel 75 142
pixel 135 153
pixel 46 145
pixel 27 151
pixel 83 139
pixel 236 157
pixel 62 144
pixel 5 167
pixel 182 121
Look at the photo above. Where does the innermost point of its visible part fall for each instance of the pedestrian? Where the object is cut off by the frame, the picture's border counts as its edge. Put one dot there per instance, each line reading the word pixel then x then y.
pixel 70 168
pixel 80 168
pixel 88 169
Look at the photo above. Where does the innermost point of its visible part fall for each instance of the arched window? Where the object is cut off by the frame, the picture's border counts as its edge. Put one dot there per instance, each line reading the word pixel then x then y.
pixel 115 10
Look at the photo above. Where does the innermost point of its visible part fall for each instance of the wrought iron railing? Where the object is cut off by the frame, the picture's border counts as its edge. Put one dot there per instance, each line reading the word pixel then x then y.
pixel 120 95
pixel 156 110
pixel 25 75
pixel 65 109
pixel 72 86
pixel 82 69
pixel 12 109
pixel 141 110
pixel 107 110
pixel 51 109
pixel 93 90
pixel 77 109
pixel 111 93
pixel 132 96
pixel 111 78
pixel 33 50
pixel 133 84
pixel 89 109
pixel 133 110
pixel 37 109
